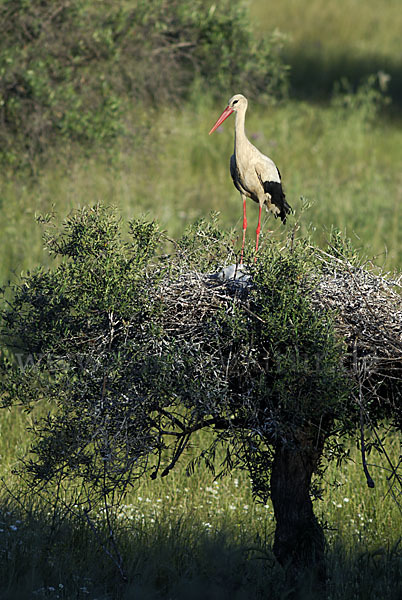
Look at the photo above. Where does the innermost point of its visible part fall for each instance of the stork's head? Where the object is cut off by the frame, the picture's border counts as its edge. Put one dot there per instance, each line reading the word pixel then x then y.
pixel 237 103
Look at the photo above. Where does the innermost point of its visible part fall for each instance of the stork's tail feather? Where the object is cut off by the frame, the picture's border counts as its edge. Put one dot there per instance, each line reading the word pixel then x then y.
pixel 275 190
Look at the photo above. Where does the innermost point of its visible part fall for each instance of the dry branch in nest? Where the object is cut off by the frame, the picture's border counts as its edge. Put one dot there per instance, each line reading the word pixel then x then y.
pixel 368 315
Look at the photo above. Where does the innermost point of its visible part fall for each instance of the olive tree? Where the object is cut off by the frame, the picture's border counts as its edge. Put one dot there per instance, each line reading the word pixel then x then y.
pixel 135 349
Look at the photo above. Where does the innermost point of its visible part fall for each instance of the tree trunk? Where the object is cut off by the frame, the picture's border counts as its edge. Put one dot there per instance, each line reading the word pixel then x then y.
pixel 299 539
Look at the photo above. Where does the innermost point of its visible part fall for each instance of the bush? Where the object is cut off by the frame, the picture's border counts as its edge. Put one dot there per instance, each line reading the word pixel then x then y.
pixel 71 70
pixel 367 100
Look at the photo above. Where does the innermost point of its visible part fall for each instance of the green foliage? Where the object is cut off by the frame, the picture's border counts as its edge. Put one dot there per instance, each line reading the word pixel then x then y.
pixel 69 71
pixel 302 353
pixel 50 84
pixel 99 274
pixel 366 100
pixel 204 245
pixel 68 326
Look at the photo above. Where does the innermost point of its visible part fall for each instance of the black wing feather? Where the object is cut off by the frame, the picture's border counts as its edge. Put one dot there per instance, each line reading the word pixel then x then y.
pixel 275 190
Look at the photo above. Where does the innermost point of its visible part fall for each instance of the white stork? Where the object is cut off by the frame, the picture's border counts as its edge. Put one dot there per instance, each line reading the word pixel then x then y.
pixel 255 175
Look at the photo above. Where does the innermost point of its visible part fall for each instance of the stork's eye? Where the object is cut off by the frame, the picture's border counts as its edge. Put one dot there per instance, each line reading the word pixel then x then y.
pixel 234 101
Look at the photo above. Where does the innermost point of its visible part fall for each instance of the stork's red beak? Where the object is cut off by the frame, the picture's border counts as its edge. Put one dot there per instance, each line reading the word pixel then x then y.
pixel 226 113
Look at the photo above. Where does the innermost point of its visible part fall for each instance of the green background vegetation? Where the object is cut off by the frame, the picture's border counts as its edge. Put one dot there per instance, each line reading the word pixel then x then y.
pixel 150 151
pixel 137 138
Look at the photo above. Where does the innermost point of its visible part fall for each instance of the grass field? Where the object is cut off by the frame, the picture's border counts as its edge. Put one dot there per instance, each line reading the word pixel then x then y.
pixel 194 537
pixel 345 166
pixel 330 40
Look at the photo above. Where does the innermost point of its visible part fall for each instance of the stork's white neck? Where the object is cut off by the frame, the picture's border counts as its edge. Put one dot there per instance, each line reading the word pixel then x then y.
pixel 240 133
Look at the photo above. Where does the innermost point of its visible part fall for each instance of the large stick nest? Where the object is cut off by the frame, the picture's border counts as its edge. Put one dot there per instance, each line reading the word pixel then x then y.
pixel 366 305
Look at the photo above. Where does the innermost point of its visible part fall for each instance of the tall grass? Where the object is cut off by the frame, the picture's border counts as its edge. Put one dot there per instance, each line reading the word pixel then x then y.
pixel 330 40
pixel 347 24
pixel 196 537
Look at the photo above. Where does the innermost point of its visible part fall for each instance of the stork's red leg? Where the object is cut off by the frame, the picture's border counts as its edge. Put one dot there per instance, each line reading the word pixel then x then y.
pixel 258 232
pixel 244 229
